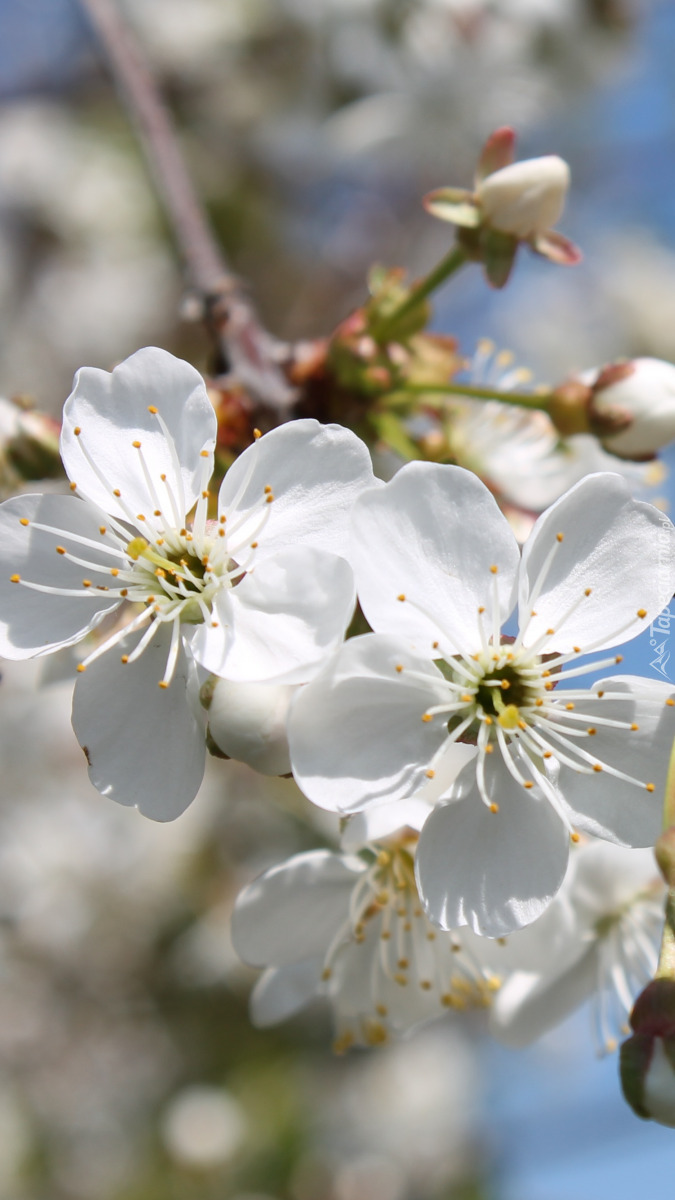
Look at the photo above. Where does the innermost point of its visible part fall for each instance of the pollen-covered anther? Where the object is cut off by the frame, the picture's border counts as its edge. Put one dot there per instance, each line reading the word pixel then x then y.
pixel 153 410
pixel 591 731
pixel 619 658
pixel 559 537
pixel 80 667
pixel 163 683
pixel 426 985
pixel 86 583
pixel 634 726
pixel 550 632
pixel 269 498
pixel 597 766
pixel 124 659
pixel 494 570
pixel 430 773
pixel 642 612
pixel 136 445
pixel 587 591
pixel 569 707
pixel 399 668
pixel 73 486
pixel 77 431
pixel 425 716
pixel 649 787
pixel 527 783
pixel 257 434
pixel 61 550
pixel 494 808
pixel 670 702
pixel 489 749
pixel 574 837
pixel 204 454
pixel 24 521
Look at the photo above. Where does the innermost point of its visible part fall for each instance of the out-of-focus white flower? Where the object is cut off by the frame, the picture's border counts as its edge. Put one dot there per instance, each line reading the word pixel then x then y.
pixel 203 1127
pixel 438 571
pixel 247 721
pixel 639 398
pixel 354 931
pixel 599 939
pixel 525 198
pixel 260 593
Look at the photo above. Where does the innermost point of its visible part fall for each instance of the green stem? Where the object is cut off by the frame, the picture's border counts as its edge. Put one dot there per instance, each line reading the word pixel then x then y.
pixel 535 400
pixel 446 267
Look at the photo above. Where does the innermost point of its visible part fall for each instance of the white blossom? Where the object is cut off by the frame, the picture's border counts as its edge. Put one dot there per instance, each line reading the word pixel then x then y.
pixel 354 931
pixel 525 198
pixel 598 940
pixel 644 393
pixel 260 592
pixel 438 571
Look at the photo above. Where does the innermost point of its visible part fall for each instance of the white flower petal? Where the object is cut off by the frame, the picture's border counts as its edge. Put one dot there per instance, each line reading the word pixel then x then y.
pixel 247 721
pixel 294 911
pixel 315 472
pixel 602 804
pixel 111 411
pixel 494 872
pixel 433 535
pixel 283 991
pixel 289 613
pixel 143 743
pixel 35 622
pixel 620 548
pixel 528 1004
pixel 356 732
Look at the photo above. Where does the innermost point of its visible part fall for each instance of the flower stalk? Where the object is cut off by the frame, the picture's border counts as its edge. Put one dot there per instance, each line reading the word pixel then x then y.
pixel 387 328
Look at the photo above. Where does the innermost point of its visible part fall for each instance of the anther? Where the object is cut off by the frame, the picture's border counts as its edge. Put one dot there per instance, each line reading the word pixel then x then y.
pixel 86 583
pixel 102 529
pixel 504 684
pixel 157 512
pixel 80 667
pixel 426 985
pixel 152 409
pixel 326 973
pixel 642 612
pixel 597 766
pixel 267 489
pixel 257 434
pixel 73 487
pixel 136 445
pixel 574 837
pixel 140 517
pixel 124 659
pixel 591 731
pixel 547 754
pixel 401 596
pixel 619 658
pixel 559 537
pixel 550 632
pixel 124 592
pixel 77 431
pixel 528 784
pixel 539 702
pixel 425 716
pixel 494 808
pixel 466 698
pixel 494 570
pixel 403 964
pixel 117 492
pixel 163 683
pixel 24 521
pixel 203 454
pixel 481 609
pixel 430 773
pixel 569 707
pixel 434 646
pixel 670 702
pixel 60 550
pixel 114 570
pixel 634 726
pixel 269 499
pixel 649 787
pixel 489 749
pixel 399 668
pixel 588 591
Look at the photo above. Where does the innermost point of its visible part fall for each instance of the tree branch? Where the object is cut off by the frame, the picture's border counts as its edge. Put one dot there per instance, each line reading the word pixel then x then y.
pixel 244 347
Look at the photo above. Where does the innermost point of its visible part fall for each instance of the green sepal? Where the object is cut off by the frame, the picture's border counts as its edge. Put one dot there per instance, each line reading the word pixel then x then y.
pixel 634 1059
pixel 499 253
pixel 455 205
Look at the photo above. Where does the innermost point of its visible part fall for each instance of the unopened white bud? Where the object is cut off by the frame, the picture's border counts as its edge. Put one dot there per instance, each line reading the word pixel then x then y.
pixel 658 1096
pixel 247 721
pixel 644 396
pixel 526 198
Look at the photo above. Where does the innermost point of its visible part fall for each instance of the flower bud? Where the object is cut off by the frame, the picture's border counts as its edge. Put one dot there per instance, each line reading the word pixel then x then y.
pixel 648 1058
pixel 639 398
pixel 247 721
pixel 525 198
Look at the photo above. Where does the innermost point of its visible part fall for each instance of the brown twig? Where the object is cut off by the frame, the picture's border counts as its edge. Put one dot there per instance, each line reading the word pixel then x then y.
pixel 249 351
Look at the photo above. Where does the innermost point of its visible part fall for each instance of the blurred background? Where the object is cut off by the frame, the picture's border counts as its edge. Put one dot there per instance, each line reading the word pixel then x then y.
pixel 128 1067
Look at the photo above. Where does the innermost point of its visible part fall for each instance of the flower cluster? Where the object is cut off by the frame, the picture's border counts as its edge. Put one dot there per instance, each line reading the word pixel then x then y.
pixel 455 740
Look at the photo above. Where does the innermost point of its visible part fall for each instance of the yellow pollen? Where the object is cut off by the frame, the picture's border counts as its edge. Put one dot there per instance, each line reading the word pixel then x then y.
pixel 494 569
pixel 434 645
pixel 548 687
pixel 205 495
pixel 381 1010
pixel 489 748
pixel 642 612
pixel 399 668
pixel 547 754
pixel 257 434
pixel 269 499
pixel 77 431
pixel 533 612
pixel 466 698
pixel 163 478
pixel 124 592
pixel 634 726
pixel 528 784
pixel 124 659
pixel 597 766
pixel 117 492
pixel 114 570
pixel 403 964
pixel 494 808
pixel 73 487
pixel 600 694
pixel 254 545
pixel 510 717
pixel 80 667
pixel 588 591
pixel 539 702
pixel 385 935
pixel 559 537
pixel 140 517
pixel 136 445
pixel 431 936
pixel 401 596
pixel 24 521
pixel 430 774
pixel 267 489
pixel 619 658
pixel 203 454
pixel 574 837
pixel 488 720
pixel 60 550
pixel 577 649
pixel 425 716
pixel 481 609
pixel 550 632
pixel 569 707
pixel 102 529
pixel 163 683
pixel 591 731
pixel 86 583
pixel 215 624
pixel 505 684
pixel 670 702
pixel 426 985
pixel 649 787
pixel 522 724
pixel 152 409
pixel 157 512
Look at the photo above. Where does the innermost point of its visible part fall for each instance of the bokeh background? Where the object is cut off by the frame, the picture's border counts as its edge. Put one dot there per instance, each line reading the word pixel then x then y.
pixel 128 1068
